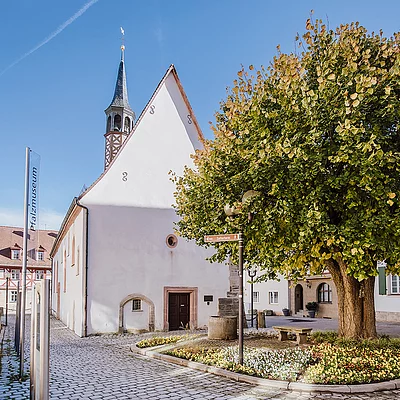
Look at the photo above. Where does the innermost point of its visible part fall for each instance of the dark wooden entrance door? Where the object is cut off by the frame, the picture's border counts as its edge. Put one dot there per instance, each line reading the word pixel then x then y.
pixel 178 311
pixel 298 292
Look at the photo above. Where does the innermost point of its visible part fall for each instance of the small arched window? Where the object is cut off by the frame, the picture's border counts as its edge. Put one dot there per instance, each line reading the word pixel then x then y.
pixel 127 125
pixel 109 123
pixel 324 293
pixel 117 122
pixel 73 251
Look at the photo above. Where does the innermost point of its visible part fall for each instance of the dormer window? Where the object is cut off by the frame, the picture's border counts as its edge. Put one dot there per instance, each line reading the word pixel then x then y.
pixel 15 254
pixel 40 255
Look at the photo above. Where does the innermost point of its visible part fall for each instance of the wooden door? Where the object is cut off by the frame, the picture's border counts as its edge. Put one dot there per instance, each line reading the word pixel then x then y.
pixel 178 311
pixel 298 292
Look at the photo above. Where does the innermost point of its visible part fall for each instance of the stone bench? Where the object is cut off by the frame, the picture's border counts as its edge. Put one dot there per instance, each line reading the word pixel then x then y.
pixel 301 333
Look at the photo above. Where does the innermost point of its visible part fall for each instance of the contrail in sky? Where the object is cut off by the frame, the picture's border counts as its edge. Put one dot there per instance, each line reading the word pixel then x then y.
pixel 52 35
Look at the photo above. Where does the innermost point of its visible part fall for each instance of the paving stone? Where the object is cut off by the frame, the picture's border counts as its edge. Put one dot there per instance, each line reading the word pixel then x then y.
pixel 103 368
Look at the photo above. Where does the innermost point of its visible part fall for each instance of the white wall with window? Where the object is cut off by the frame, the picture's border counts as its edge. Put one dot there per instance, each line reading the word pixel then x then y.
pixel 39 274
pixel 256 297
pixel 394 281
pixel 40 255
pixel 136 316
pixel 272 295
pixel 15 274
pixel 13 296
pixel 387 295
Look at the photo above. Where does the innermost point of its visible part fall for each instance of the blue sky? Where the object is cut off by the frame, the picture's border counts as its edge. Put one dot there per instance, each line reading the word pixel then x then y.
pixel 53 100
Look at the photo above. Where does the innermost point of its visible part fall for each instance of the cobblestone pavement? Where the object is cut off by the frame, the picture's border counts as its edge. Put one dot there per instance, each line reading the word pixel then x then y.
pixel 102 367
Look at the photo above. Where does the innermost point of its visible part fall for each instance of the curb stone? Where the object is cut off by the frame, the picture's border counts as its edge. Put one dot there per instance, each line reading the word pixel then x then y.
pixel 154 352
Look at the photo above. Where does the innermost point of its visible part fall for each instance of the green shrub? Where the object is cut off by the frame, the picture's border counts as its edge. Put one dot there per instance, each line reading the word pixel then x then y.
pixel 324 337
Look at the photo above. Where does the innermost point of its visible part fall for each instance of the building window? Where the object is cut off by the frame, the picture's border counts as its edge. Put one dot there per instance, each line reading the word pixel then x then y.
pixel 15 254
pixel 136 305
pixel 273 297
pixel 172 241
pixel 13 296
pixel 73 251
pixel 39 275
pixel 324 293
pixel 256 297
pixel 1 273
pixel 40 256
pixel 77 261
pixel 395 284
pixel 15 274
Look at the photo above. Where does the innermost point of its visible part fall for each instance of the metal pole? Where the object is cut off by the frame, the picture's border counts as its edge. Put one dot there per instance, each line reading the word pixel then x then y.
pixel 252 273
pixel 24 261
pixel 251 301
pixel 7 299
pixel 241 298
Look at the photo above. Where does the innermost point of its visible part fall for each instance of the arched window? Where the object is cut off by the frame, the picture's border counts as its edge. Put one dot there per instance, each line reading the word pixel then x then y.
pixel 117 122
pixel 109 123
pixel 73 251
pixel 127 125
pixel 324 293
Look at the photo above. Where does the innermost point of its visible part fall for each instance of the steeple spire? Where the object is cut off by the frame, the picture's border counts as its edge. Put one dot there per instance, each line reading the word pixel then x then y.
pixel 120 116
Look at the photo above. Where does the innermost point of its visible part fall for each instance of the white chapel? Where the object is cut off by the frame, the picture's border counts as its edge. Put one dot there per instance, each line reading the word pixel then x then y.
pixel 117 263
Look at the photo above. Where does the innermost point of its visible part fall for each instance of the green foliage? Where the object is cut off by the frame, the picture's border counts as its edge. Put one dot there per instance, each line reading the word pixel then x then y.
pixel 316 134
pixel 331 337
pixel 324 337
pixel 312 305
pixel 158 341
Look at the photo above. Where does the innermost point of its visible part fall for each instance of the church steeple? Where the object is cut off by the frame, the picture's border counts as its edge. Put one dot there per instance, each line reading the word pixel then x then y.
pixel 120 116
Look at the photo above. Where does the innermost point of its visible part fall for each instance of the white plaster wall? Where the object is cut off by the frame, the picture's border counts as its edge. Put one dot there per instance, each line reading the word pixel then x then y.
pixel 128 254
pixel 72 301
pixel 136 320
pixel 386 303
pixel 161 142
pixel 263 288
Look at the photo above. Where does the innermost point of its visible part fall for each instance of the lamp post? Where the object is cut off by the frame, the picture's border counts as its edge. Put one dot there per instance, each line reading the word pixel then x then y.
pixel 252 271
pixel 231 212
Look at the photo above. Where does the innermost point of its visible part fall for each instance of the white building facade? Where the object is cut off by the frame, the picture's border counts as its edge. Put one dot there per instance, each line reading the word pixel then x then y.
pixel 117 264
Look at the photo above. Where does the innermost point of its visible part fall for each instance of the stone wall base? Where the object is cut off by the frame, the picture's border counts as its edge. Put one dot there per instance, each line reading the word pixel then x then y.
pixel 387 316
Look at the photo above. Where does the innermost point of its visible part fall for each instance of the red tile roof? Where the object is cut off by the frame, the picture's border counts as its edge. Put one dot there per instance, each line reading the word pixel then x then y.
pixel 13 237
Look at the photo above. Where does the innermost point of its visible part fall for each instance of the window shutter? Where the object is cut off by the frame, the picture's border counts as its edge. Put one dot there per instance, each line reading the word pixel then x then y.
pixel 382 280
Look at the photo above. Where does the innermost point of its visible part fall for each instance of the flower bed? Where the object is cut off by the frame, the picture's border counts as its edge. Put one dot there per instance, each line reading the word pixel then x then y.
pixel 158 341
pixel 285 364
pixel 328 360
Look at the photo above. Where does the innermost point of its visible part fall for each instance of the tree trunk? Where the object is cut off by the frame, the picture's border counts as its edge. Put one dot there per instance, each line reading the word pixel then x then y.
pixel 356 306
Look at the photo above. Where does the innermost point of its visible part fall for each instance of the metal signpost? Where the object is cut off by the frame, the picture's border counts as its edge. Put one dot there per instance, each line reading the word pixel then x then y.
pixel 234 237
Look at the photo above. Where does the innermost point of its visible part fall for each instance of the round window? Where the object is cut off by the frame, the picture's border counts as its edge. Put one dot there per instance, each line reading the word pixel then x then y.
pixel 172 241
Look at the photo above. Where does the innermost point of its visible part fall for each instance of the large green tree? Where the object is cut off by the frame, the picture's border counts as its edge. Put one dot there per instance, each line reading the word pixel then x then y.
pixel 316 134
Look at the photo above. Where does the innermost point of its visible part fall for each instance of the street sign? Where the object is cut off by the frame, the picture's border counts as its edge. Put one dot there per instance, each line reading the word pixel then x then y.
pixel 229 237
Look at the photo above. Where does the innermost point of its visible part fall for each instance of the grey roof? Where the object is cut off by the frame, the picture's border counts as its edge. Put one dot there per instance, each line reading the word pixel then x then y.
pixel 120 98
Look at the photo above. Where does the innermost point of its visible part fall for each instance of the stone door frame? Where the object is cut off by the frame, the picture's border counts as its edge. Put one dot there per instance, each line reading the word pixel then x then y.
pixel 193 300
pixel 136 296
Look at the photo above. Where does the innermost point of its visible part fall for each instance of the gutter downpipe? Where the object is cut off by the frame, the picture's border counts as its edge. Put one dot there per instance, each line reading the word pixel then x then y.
pixel 86 264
